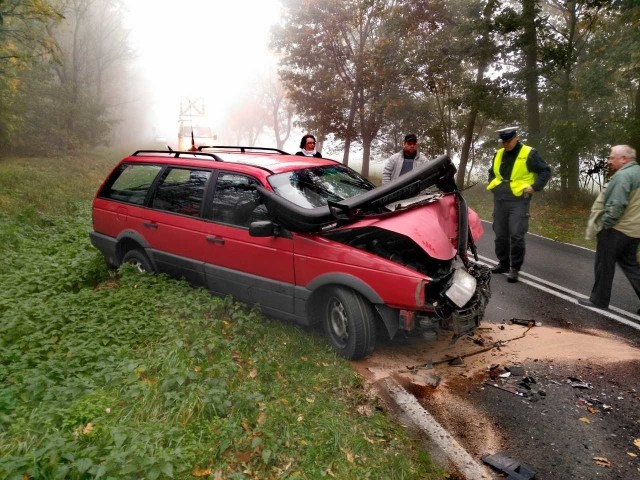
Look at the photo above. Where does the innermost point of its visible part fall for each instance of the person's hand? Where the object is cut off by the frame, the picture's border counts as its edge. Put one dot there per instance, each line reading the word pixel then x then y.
pixel 529 190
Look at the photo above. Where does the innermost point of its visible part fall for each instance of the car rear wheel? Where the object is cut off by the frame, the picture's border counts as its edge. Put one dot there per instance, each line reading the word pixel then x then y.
pixel 139 260
pixel 349 322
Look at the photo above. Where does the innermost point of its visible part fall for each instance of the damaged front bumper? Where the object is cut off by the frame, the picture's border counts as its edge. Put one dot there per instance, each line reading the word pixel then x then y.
pixel 459 308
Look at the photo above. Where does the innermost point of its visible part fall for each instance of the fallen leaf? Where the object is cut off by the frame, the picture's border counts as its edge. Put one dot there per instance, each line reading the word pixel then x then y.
pixel 262 417
pixel 585 420
pixel 591 409
pixel 300 418
pixel 325 364
pixel 197 369
pixel 631 454
pixel 253 373
pixel 88 429
pixel 310 400
pixel 304 358
pixel 636 442
pixel 602 461
pixel 348 453
pixel 201 472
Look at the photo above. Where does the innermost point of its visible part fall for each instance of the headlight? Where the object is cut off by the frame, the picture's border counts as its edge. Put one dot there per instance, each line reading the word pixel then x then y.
pixel 462 288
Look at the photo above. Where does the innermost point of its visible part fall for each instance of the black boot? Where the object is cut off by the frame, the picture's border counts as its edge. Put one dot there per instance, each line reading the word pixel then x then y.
pixel 499 269
pixel 513 276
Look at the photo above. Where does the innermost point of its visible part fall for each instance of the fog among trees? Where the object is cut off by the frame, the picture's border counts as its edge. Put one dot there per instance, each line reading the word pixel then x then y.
pixel 358 74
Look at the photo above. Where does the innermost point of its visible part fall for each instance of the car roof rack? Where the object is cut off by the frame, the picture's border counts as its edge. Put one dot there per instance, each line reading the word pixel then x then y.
pixel 244 149
pixel 178 153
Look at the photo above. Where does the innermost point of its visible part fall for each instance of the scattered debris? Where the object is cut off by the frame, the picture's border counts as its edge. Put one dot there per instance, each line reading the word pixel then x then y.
pixel 516 370
pixel 584 419
pixel 505 375
pixel 456 362
pixel 527 323
pixel 513 468
pixel 578 383
pixel 636 442
pixel 507 389
pixel 602 461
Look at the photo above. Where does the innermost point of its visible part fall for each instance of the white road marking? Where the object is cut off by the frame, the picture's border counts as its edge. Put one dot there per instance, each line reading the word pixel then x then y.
pixel 571 296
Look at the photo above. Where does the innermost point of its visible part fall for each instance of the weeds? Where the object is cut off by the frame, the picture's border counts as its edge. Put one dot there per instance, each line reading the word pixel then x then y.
pixel 114 374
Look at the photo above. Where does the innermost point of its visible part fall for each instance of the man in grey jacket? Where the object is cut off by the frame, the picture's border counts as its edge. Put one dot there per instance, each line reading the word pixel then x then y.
pixel 620 235
pixel 403 161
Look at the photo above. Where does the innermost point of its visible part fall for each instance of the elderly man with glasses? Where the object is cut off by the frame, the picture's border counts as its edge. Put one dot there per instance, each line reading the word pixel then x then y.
pixel 619 235
pixel 517 171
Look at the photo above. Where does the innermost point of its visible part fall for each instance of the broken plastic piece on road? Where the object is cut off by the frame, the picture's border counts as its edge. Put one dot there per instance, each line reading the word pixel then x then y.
pixel 578 383
pixel 506 389
pixel 513 468
pixel 527 323
pixel 516 370
pixel 456 362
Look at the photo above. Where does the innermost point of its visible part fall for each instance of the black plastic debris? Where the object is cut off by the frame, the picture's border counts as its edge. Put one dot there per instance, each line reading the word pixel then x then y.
pixel 578 383
pixel 513 468
pixel 456 362
pixel 516 370
pixel 526 323
pixel 507 388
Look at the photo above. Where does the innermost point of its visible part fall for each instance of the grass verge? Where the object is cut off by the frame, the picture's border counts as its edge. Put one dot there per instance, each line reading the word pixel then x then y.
pixel 113 374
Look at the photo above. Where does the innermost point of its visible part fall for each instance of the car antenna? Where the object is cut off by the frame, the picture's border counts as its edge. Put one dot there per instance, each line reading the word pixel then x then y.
pixel 193 142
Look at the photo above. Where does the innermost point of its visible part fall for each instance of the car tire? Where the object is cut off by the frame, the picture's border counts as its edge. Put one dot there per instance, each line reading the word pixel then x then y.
pixel 139 260
pixel 350 322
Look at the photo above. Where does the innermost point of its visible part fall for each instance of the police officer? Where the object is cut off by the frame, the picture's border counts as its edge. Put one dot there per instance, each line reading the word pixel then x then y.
pixel 517 171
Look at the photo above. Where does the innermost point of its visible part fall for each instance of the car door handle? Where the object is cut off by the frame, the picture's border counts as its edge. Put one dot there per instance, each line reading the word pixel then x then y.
pixel 214 239
pixel 150 224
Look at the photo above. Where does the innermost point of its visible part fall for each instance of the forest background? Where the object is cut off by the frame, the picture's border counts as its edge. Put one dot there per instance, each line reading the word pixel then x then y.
pixel 359 74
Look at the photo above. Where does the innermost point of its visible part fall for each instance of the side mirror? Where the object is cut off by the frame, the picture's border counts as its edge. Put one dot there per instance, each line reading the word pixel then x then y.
pixel 262 228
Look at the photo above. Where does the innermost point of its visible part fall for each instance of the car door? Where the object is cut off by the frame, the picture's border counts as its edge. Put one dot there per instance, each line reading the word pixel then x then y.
pixel 174 226
pixel 253 269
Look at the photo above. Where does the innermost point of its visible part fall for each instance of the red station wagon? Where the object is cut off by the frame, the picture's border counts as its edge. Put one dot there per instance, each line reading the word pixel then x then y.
pixel 307 239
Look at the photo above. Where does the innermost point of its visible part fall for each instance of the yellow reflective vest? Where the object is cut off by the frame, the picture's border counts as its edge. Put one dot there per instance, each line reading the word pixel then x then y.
pixel 521 177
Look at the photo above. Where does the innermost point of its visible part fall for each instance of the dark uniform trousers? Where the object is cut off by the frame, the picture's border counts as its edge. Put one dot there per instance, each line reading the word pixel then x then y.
pixel 510 224
pixel 614 246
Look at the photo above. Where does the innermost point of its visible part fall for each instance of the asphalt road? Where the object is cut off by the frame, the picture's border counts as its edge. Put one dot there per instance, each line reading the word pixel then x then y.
pixel 548 432
pixel 564 265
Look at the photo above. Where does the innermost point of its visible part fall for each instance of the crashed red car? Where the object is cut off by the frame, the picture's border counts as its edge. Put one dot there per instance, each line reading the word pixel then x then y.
pixel 306 239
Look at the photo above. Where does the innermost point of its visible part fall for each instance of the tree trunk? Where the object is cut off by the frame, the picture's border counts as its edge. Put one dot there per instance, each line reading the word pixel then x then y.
pixel 466 146
pixel 530 38
pixel 349 132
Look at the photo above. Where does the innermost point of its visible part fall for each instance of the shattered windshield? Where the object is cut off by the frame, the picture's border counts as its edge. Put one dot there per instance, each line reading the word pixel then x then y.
pixel 314 187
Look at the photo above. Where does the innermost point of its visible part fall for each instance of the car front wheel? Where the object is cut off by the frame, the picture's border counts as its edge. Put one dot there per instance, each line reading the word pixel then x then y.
pixel 349 322
pixel 139 260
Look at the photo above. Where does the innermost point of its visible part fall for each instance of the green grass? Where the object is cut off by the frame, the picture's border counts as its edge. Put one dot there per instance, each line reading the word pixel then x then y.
pixel 114 374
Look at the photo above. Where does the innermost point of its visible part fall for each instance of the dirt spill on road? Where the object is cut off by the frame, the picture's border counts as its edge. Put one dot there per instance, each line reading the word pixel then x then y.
pixel 423 368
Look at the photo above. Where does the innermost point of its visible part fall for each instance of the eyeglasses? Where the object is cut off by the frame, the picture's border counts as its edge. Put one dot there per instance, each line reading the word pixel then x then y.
pixel 311 143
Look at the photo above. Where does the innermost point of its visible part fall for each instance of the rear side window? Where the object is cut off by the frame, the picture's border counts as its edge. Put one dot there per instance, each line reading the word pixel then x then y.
pixel 130 183
pixel 181 190
pixel 236 200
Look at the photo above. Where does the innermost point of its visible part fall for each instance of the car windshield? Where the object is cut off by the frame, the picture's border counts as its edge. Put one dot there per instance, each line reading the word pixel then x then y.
pixel 314 187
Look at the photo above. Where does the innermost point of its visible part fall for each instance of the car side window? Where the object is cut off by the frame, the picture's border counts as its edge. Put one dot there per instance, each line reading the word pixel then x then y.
pixel 130 183
pixel 181 190
pixel 236 200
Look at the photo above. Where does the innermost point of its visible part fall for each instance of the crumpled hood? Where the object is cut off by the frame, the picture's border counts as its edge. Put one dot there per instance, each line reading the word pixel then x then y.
pixel 433 226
